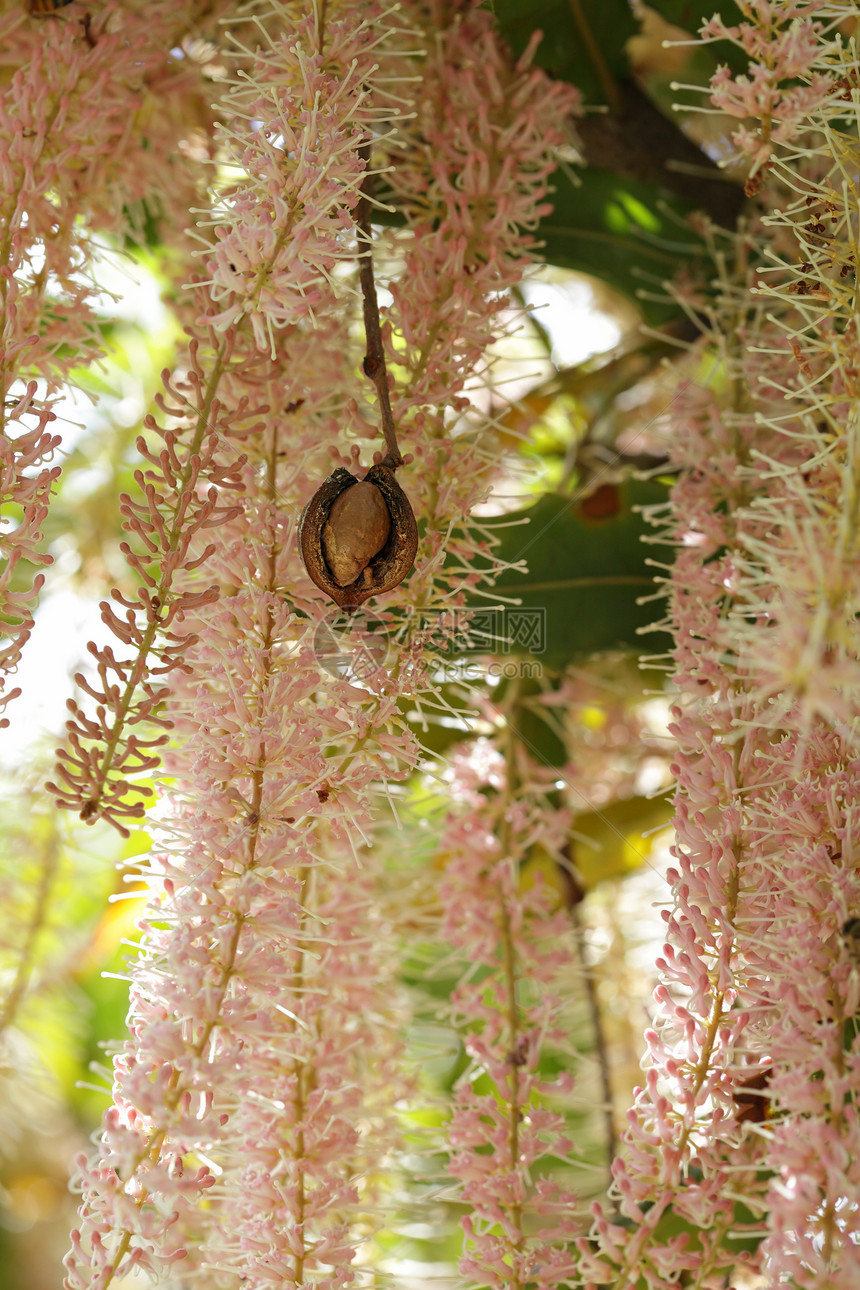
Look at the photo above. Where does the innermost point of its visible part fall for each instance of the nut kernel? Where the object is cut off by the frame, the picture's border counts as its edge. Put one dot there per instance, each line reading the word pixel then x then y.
pixel 356 530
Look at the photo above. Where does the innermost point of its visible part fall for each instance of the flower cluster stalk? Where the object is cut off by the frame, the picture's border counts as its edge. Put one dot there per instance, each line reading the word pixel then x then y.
pixel 508 1144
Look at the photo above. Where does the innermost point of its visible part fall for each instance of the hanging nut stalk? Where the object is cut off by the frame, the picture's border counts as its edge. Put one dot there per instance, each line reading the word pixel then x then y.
pixel 358 537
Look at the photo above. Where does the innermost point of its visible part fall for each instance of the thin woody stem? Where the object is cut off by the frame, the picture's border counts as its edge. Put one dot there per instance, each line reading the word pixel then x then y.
pixel 374 358
pixel 600 1045
pixel 608 83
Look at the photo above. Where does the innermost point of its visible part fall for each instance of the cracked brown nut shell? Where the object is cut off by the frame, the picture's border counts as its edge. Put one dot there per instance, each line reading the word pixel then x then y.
pixel 358 546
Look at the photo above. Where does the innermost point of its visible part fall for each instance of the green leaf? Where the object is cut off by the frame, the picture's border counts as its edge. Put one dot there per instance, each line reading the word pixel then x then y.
pixel 144 219
pixel 534 724
pixel 564 49
pixel 609 843
pixel 586 573
pixel 689 15
pixel 627 233
pixel 630 234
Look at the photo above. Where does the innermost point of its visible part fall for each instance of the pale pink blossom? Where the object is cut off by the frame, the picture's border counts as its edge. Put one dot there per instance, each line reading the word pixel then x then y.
pixel 747 1095
pixel 473 180
pixel 27 476
pixel 784 42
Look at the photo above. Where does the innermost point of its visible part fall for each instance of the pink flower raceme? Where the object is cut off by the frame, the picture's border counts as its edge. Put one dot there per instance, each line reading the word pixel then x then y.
pixel 80 135
pixel 26 480
pixel 783 42
pixel 746 1127
pixel 236 1141
pixel 506 1140
pixel 473 179
pixel 246 1120
pixel 183 494
pixel 474 182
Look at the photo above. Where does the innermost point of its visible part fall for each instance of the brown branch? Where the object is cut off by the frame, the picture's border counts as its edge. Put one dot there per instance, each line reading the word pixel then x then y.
pixel 636 141
pixel 599 1036
pixel 374 358
pixel 608 83
pixel 35 927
